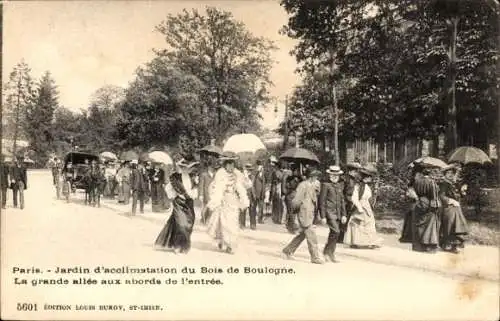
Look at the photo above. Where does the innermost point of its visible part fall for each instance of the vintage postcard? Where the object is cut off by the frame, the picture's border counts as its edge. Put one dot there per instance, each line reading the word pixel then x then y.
pixel 250 160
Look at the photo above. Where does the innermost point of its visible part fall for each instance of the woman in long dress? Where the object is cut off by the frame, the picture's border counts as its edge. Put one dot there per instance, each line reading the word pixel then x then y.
pixel 176 234
pixel 406 234
pixel 361 232
pixel 425 221
pixel 227 197
pixel 123 178
pixel 453 223
pixel 157 179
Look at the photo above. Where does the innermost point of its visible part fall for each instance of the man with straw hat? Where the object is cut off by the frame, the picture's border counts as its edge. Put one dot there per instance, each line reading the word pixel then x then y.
pixel 306 201
pixel 332 208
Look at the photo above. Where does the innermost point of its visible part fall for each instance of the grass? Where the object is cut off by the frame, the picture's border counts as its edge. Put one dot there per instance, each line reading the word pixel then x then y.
pixel 482 231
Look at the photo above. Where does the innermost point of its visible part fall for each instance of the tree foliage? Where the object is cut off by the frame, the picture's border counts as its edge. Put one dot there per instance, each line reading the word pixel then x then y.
pixel 18 96
pixel 396 54
pixel 40 116
pixel 232 64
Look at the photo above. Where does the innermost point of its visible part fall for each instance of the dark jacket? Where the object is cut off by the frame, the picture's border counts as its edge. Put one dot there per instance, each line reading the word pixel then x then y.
pixel 139 180
pixel 157 176
pixel 259 186
pixel 4 172
pixel 18 174
pixel 331 200
pixel 204 185
pixel 348 190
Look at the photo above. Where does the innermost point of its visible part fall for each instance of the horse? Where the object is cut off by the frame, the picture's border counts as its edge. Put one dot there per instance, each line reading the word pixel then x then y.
pixel 94 186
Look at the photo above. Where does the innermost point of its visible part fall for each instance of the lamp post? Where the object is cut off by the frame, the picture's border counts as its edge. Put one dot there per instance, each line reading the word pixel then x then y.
pixel 327 75
pixel 285 120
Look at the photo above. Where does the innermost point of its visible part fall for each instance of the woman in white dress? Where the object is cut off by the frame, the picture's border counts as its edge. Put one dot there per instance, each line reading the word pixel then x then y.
pixel 361 232
pixel 228 197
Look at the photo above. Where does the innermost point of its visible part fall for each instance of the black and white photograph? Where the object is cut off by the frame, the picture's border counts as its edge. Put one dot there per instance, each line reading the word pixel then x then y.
pixel 250 160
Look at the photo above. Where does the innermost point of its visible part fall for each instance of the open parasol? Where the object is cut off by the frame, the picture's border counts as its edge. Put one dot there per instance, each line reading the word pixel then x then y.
pixel 430 162
pixel 249 147
pixel 108 156
pixel 161 157
pixel 211 149
pixel 299 154
pixel 468 155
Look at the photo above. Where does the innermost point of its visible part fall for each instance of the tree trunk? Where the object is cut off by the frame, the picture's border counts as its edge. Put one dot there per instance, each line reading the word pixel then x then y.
pixel 336 127
pixel 16 123
pixel 452 135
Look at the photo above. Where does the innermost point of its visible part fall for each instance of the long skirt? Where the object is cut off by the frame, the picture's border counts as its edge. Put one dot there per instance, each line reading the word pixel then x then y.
pixel 361 231
pixel 425 228
pixel 292 224
pixel 124 196
pixel 108 189
pixel 406 233
pixel 223 225
pixel 176 234
pixel 157 197
pixel 453 226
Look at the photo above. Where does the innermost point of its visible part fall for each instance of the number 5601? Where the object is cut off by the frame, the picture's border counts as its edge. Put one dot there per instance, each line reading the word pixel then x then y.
pixel 26 307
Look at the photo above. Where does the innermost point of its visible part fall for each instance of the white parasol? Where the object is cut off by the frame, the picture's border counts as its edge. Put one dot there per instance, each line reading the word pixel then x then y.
pixel 161 157
pixel 242 143
pixel 108 155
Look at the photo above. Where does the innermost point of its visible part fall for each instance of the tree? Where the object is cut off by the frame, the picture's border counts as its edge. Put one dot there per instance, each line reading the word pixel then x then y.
pixel 162 104
pixel 232 64
pixel 397 55
pixel 40 117
pixel 107 97
pixel 99 121
pixel 18 98
pixel 67 125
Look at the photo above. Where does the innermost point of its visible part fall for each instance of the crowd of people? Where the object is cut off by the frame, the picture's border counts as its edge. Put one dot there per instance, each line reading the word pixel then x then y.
pixel 299 196
pixel 302 199
pixel 13 177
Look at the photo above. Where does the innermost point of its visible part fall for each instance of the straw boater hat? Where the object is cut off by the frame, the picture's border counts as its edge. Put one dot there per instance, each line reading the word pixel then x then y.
pixel 273 159
pixel 335 170
pixel 450 167
pixel 369 170
pixel 228 156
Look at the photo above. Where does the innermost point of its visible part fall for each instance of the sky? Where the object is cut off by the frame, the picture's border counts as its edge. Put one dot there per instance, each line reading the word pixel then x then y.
pixel 88 44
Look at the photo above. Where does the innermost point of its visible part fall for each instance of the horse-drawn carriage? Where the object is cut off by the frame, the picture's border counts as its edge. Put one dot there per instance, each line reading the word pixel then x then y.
pixel 80 175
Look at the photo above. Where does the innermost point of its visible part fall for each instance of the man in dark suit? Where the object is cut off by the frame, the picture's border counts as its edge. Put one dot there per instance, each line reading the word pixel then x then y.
pixel 139 185
pixel 19 181
pixel 258 196
pixel 4 181
pixel 332 208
